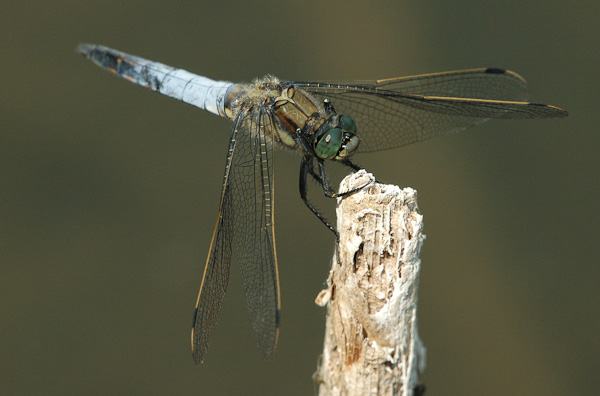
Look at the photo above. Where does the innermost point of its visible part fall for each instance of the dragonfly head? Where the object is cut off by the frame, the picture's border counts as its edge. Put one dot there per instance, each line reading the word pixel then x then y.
pixel 339 142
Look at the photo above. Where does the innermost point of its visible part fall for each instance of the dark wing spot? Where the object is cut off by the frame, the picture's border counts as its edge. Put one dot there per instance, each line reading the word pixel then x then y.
pixel 194 318
pixel 493 70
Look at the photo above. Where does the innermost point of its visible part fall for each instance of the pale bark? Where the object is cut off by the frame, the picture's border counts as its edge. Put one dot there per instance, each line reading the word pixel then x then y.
pixel 372 346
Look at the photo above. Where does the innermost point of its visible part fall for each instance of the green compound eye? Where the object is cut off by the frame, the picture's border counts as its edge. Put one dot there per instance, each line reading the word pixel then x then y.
pixel 347 124
pixel 329 144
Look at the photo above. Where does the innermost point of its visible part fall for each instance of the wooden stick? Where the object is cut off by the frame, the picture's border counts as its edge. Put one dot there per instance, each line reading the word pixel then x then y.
pixel 372 346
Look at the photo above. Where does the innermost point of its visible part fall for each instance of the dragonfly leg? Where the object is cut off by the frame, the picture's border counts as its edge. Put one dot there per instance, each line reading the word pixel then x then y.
pixel 329 109
pixel 350 164
pixel 315 175
pixel 306 167
pixel 329 192
pixel 353 166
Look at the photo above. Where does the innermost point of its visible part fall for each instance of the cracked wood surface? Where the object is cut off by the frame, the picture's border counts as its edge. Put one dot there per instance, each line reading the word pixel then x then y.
pixel 372 346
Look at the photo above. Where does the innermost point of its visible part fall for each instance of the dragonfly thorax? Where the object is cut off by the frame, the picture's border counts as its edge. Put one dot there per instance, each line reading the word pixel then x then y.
pixel 292 118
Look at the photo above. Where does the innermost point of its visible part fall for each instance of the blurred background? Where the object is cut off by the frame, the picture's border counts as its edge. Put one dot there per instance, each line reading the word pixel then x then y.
pixel 108 196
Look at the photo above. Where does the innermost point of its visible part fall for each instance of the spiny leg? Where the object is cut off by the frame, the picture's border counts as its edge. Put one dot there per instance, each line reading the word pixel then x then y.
pixel 315 175
pixel 306 168
pixel 355 167
pixel 328 191
pixel 350 164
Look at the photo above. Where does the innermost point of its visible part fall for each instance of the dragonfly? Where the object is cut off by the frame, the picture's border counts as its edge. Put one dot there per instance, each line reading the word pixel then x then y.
pixel 324 121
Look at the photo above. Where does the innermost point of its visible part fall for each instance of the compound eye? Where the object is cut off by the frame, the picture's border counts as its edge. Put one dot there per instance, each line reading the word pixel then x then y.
pixel 329 144
pixel 347 124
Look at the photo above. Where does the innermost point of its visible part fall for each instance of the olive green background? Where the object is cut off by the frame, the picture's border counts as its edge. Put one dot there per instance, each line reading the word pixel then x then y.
pixel 108 196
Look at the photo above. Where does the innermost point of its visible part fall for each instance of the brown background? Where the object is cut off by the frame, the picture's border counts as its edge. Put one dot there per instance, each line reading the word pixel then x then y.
pixel 108 195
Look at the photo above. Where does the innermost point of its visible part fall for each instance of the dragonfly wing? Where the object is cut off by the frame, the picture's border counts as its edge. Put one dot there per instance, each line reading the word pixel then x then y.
pixel 484 83
pixel 254 228
pixel 396 112
pixel 245 222
pixel 216 271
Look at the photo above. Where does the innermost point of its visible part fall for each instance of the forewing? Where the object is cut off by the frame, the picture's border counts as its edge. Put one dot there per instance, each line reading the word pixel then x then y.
pixel 396 112
pixel 496 84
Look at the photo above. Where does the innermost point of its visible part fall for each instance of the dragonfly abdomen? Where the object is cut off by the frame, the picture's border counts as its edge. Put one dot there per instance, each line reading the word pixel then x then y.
pixel 179 84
